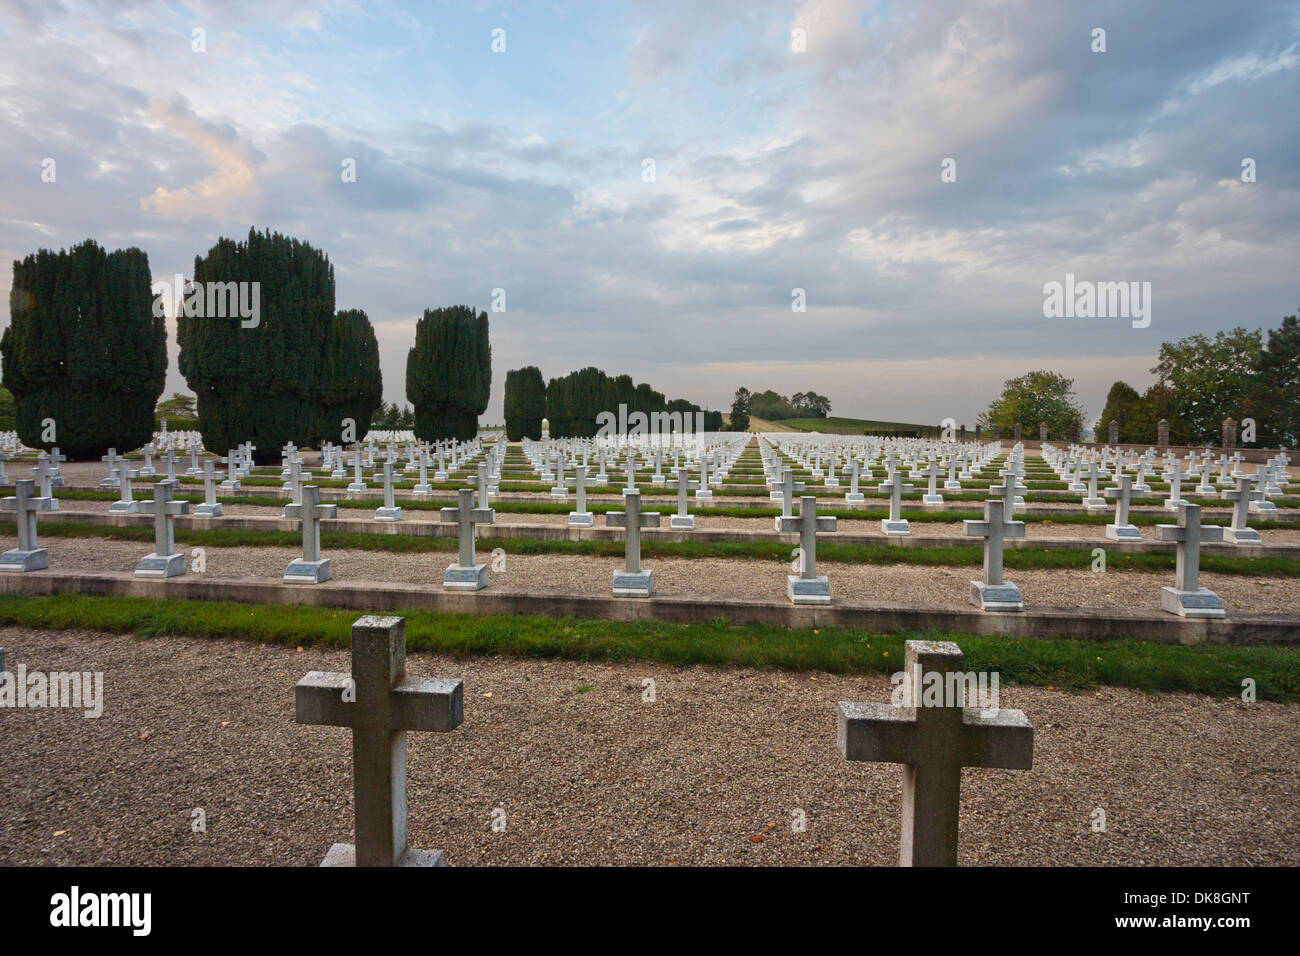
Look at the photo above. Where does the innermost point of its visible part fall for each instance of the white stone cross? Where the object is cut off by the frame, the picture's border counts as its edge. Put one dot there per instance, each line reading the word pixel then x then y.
pixel 1187 598
pixel 1092 501
pixel 211 507
pixel 358 483
pixel 388 511
pixel 312 569
pixel 632 581
pixel 1122 530
pixel 164 561
pixel 895 524
pixel 231 461
pixel 807 587
pixel 25 504
pixel 125 505
pixel 933 739
pixel 993 593
pixel 786 491
pixel 1175 476
pixel 1239 532
pixel 932 471
pixel 465 575
pixel 380 704
pixel 581 518
pixel 682 521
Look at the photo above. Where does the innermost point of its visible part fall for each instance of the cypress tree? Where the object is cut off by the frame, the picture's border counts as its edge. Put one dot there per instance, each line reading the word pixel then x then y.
pixel 85 349
pixel 449 373
pixel 351 384
pixel 260 383
pixel 525 403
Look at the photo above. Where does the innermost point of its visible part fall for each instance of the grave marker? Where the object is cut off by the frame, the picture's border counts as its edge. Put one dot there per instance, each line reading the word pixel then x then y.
pixel 633 580
pixel 807 587
pixel 311 568
pixel 1187 598
pixel 163 561
pixel 466 575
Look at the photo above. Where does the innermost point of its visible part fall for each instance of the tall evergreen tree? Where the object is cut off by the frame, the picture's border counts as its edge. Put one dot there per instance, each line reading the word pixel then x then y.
pixel 449 372
pixel 260 383
pixel 525 403
pixel 85 349
pixel 1274 393
pixel 351 384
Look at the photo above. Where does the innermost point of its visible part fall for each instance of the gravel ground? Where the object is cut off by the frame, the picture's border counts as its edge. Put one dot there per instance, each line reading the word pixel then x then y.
pixel 588 774
pixel 938 585
pixel 705 522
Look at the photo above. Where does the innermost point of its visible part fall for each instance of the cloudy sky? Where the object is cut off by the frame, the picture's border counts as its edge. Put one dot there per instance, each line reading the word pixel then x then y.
pixel 775 169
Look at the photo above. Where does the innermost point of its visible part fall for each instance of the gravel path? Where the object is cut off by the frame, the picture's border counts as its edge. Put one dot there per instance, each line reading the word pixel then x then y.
pixel 589 774
pixel 933 586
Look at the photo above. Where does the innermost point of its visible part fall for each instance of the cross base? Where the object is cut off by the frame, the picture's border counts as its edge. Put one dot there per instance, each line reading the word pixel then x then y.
pixel 855 497
pixel 1078 487
pixel 996 597
pixel 124 508
pixel 111 482
pixel 388 514
pixel 895 527
pixel 424 489
pixel 1144 488
pixel 580 519
pixel 1096 504
pixel 230 484
pixel 1123 532
pixel 37 559
pixel 639 584
pixel 345 854
pixel 460 578
pixel 704 494
pixel 932 499
pixel 1262 508
pixel 146 472
pixel 952 486
pixel 356 486
pixel 308 572
pixel 682 522
pixel 562 494
pixel 776 495
pixel 1199 603
pixel 194 472
pixel 1241 536
pixel 338 474
pixel 207 510
pixel 808 590
pixel 154 565
pixel 1173 504
pixel 439 476
pixel 831 482
pixel 658 479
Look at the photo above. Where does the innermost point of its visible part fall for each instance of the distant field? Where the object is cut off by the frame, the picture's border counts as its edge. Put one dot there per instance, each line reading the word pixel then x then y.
pixel 843 426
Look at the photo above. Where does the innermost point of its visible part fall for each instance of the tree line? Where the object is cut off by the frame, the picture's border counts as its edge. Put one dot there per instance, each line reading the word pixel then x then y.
pixel 85 354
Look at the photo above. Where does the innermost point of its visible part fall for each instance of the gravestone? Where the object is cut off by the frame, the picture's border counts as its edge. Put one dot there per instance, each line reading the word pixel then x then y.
pixel 465 575
pixel 380 704
pixel 211 507
pixel 933 741
pixel 854 495
pixel 895 524
pixel 581 518
pixel 785 491
pixel 633 580
pixel 25 504
pixel 994 593
pixel 683 520
pixel 1175 476
pixel 1241 497
pixel 1187 598
pixel 931 472
pixel 311 568
pixel 807 587
pixel 1121 529
pixel 388 511
pixel 231 461
pixel 163 561
pixel 126 505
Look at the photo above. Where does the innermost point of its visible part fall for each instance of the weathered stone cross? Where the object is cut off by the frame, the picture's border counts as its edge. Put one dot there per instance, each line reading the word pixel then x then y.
pixel 1122 530
pixel 25 504
pixel 993 593
pixel 465 575
pixel 895 523
pixel 380 704
pixel 311 568
pixel 388 511
pixel 211 507
pixel 163 562
pixel 581 518
pixel 807 587
pixel 1239 532
pixel 786 492
pixel 231 461
pixel 933 741
pixel 126 505
pixel 1187 598
pixel 632 581
pixel 683 520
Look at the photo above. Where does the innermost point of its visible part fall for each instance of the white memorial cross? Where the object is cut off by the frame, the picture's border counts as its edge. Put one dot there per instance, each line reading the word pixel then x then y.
pixel 388 511
pixel 164 561
pixel 1092 502
pixel 807 587
pixel 1187 598
pixel 1175 476
pixel 994 593
pixel 682 521
pixel 895 523
pixel 1121 529
pixel 358 483
pixel 312 568
pixel 1239 532
pixel 231 461
pixel 786 491
pixel 633 580
pixel 211 507
pixel 125 505
pixel 465 575
pixel 111 459
pixel 380 704
pixel 581 518
pixel 934 739
pixel 932 472
pixel 854 495
pixel 45 479
pixel 25 504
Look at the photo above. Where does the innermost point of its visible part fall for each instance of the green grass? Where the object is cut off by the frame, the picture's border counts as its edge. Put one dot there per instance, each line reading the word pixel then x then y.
pixel 1066 664
pixel 845 426
pixel 829 551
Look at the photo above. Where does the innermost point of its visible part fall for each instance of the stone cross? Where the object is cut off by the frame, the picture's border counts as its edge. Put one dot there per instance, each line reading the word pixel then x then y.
pixel 465 575
pixel 704 492
pixel 807 587
pixel 632 581
pixel 1092 501
pixel 45 478
pixel 111 460
pixel 4 479
pixel 388 511
pixel 631 474
pixel 380 704
pixel 895 523
pixel 933 741
pixel 993 593
pixel 25 504
pixel 1122 530
pixel 932 472
pixel 1238 532
pixel 1175 476
pixel 854 470
pixel 581 518
pixel 1187 598
pixel 682 521
pixel 312 569
pixel 231 461
pixel 1010 490
pixel 194 469
pixel 125 505
pixel 484 490
pixel 57 459
pixel 170 459
pixel 358 483
pixel 786 492
pixel 211 507
pixel 163 562
pixel 561 490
